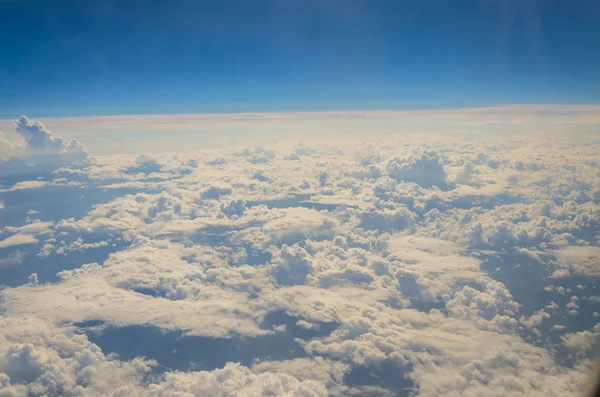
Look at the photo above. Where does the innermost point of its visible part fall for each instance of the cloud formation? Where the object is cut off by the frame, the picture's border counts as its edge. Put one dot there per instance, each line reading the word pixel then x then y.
pixel 42 146
pixel 465 267
pixel 422 167
pixel 41 151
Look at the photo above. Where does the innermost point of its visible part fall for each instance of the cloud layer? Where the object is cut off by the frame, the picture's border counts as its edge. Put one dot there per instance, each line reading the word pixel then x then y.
pixel 423 266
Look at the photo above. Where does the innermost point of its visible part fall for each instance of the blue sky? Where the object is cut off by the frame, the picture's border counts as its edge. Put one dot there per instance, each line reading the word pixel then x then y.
pixel 68 58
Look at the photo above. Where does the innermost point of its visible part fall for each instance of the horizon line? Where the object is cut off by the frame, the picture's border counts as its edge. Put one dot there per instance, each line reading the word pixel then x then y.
pixel 374 112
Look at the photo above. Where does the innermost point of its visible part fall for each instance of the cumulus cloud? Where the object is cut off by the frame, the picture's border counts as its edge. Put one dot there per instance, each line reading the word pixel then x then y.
pixel 492 308
pixel 317 368
pixel 258 155
pixel 235 380
pixel 449 359
pixel 584 343
pixel 351 267
pixel 581 260
pixel 43 147
pixel 234 208
pixel 384 220
pixel 216 162
pixel 465 176
pixel 189 299
pixel 36 358
pixel 424 168
pixel 144 164
pixel 292 266
pixel 42 151
pixel 215 192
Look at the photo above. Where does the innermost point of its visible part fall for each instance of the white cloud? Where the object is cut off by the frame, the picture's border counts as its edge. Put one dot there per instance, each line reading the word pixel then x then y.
pixel 329 373
pixel 424 168
pixel 582 344
pixel 41 152
pixel 449 356
pixel 439 264
pixel 465 176
pixel 235 380
pixel 581 260
pixel 27 185
pixel 490 309
pixel 45 148
pixel 297 224
pixel 292 266
pixel 191 302
pixel 215 192
pixel 28 234
pixel 36 358
pixel 369 249
pixel 386 220
pixel 144 164
pixel 18 239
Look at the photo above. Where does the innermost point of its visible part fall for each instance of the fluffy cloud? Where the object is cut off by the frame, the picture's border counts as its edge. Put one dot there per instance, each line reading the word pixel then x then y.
pixel 234 380
pixel 37 358
pixel 465 176
pixel 317 368
pixel 382 276
pixel 292 266
pixel 144 164
pixel 94 292
pixel 424 168
pixel 582 260
pixel 491 308
pixel 42 142
pixel 582 344
pixel 258 155
pixel 386 219
pixel 214 192
pixel 41 152
pixel 451 358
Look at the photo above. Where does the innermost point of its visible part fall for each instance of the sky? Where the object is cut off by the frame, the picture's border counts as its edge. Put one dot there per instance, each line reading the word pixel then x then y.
pixel 299 198
pixel 70 58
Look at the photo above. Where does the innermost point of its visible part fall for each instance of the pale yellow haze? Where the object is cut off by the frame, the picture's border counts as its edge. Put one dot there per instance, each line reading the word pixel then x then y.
pixel 159 133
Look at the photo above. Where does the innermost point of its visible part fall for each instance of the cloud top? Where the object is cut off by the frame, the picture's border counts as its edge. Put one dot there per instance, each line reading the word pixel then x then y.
pixel 422 167
pixel 42 144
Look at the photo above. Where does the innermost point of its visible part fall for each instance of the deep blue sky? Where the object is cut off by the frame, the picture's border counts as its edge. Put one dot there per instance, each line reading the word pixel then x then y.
pixel 78 57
